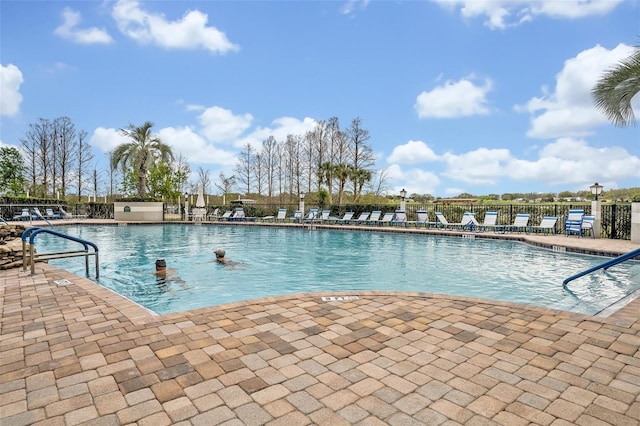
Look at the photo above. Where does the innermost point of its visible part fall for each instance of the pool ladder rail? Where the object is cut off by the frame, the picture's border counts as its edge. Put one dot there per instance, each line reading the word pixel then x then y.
pixel 605 265
pixel 33 257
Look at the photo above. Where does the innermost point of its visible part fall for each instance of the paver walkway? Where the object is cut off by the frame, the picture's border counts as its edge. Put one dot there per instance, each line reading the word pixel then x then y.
pixel 79 354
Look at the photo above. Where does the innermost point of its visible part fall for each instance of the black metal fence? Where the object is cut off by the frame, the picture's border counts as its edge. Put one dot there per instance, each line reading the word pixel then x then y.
pixel 615 224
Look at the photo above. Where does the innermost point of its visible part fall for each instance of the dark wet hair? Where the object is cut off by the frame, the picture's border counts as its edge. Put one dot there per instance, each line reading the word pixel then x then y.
pixel 161 263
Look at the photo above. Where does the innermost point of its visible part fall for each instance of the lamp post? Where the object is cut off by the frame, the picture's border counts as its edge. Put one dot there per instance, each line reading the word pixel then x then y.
pixel 403 200
pixel 186 206
pixel 596 190
pixel 301 205
pixel 596 209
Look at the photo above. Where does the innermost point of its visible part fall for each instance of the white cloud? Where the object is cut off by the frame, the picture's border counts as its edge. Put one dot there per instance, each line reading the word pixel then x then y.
pixel 281 127
pixel 500 14
pixel 574 161
pixel 569 109
pixel 454 99
pixel 69 31
pixel 412 152
pixel 478 167
pixel 351 5
pixel 189 32
pixel 10 81
pixel 219 124
pixel 106 140
pixel 194 147
pixel 565 162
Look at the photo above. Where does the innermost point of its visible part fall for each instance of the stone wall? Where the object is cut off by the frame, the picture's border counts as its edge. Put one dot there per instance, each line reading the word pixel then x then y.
pixel 11 246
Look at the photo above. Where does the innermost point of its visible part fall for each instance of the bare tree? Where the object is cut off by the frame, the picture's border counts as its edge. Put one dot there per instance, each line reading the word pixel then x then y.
pixel 269 159
pixel 293 166
pixel 204 179
pixel 244 168
pixel 85 157
pixel 37 147
pixel 362 158
pixel 65 152
pixel 379 183
pixel 225 184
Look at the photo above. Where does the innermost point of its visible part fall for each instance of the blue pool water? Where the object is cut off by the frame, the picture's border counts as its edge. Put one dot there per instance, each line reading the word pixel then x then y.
pixel 277 261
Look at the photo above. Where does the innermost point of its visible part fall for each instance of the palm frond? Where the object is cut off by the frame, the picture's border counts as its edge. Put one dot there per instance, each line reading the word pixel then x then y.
pixel 614 91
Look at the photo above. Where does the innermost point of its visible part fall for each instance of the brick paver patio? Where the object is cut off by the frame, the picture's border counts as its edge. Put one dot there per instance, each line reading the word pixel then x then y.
pixel 79 354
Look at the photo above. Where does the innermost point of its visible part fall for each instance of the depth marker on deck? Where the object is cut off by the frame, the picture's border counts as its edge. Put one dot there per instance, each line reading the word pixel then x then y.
pixel 338 298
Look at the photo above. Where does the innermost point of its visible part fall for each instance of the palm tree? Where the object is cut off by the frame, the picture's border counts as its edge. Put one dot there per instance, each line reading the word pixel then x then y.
pixel 613 92
pixel 143 152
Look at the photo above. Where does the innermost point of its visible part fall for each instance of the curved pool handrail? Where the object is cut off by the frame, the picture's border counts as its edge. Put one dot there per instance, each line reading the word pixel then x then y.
pixel 32 232
pixel 605 265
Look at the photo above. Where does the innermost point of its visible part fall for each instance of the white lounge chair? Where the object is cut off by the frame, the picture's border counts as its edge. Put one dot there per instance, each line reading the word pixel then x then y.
pixel 547 225
pixel 311 216
pixel 297 216
pixel 422 219
pixel 362 218
pixel 468 219
pixel 490 221
pixel 226 215
pixel 400 218
pixel 520 224
pixel 346 218
pixel 215 214
pixel 374 217
pixel 386 219
pixel 587 225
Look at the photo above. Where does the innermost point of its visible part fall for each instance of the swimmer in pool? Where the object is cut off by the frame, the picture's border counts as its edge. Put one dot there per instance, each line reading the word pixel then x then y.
pixel 166 276
pixel 223 260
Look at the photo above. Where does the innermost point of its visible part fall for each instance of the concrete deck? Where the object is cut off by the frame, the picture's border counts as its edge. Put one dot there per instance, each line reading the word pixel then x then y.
pixel 77 353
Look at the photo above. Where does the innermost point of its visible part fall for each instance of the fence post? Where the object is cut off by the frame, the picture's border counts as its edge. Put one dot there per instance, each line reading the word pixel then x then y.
pixel 635 223
pixel 614 231
pixel 596 211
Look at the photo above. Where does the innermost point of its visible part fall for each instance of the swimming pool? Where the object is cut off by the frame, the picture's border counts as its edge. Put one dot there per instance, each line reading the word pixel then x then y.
pixel 277 261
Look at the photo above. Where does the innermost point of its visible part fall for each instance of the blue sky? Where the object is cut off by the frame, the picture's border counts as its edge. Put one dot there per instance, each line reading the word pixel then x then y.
pixel 478 96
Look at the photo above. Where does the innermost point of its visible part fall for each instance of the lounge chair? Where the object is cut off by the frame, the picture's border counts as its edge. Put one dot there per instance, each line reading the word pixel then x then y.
pixel 422 220
pixel 520 223
pixel 23 215
pixel 387 219
pixel 63 214
pixel 324 215
pixel 226 215
pixel 49 214
pixel 547 225
pixel 215 214
pixel 362 218
pixel 490 221
pixel 281 216
pixel 573 222
pixel 374 217
pixel 311 216
pixel 297 216
pixel 587 225
pixel 346 218
pixel 36 214
pixel 465 222
pixel 400 218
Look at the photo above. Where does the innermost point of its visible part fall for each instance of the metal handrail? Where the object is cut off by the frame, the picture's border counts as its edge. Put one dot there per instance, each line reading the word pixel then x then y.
pixel 31 233
pixel 604 265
